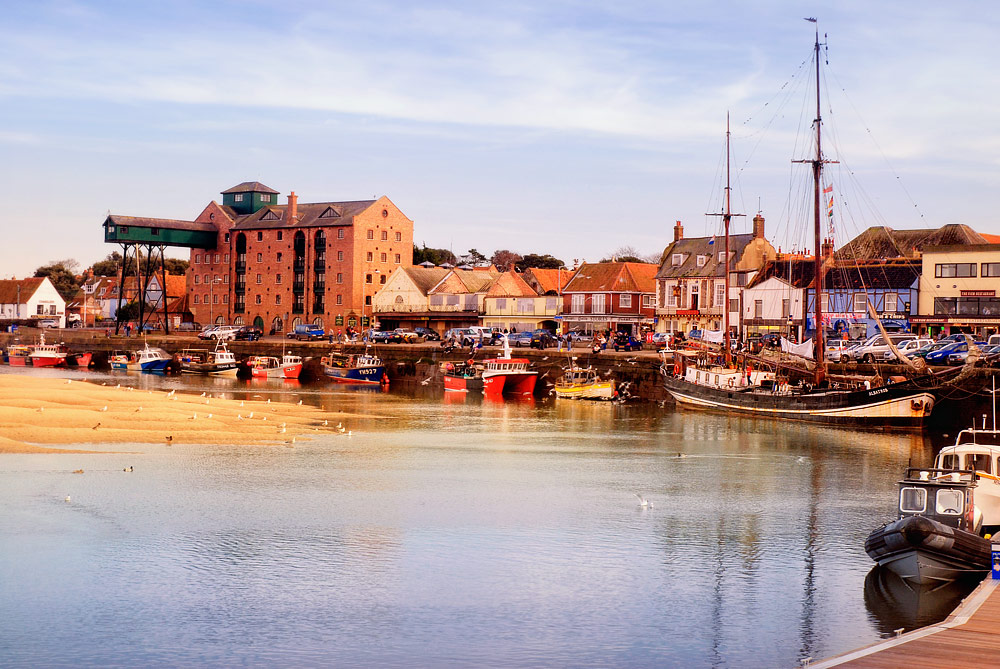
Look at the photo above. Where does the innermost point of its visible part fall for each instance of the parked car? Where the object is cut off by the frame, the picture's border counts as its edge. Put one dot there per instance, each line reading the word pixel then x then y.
pixel 622 341
pixel 940 356
pixel 541 339
pixel 306 331
pixel 459 336
pixel 875 346
pixel 428 334
pixel 906 348
pixel 47 323
pixel 520 338
pixel 662 339
pixel 406 336
pixel 694 334
pixel 836 350
pixel 488 335
pixel 248 333
pixel 923 351
pixel 386 337
pixel 224 332
pixel 188 326
pixel 207 332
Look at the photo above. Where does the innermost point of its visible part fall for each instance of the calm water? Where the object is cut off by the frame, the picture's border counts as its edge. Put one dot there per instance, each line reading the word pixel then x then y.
pixel 452 533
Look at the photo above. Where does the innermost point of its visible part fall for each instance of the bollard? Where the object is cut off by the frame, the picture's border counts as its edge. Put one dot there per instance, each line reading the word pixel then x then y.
pixel 996 561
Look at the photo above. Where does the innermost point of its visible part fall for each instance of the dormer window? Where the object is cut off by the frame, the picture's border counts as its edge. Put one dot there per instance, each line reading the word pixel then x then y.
pixel 238 197
pixel 265 197
pixel 677 260
pixel 702 260
pixel 722 257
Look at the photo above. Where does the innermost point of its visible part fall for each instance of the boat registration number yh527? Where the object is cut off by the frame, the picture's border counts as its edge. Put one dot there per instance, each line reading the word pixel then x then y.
pixel 366 372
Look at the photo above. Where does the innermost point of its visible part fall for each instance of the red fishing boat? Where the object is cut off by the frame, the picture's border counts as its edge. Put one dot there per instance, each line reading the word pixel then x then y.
pixel 508 376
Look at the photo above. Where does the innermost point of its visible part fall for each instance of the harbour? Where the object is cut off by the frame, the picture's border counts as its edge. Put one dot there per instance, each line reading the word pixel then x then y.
pixel 504 533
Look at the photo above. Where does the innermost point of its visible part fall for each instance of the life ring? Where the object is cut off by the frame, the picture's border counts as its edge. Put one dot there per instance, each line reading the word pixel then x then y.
pixel 677 369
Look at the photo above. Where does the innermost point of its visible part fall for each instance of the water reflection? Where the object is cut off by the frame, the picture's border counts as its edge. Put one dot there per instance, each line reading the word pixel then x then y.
pixel 455 530
pixel 896 604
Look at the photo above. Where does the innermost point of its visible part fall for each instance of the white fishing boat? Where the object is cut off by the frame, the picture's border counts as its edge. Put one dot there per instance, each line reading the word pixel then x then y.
pixel 219 361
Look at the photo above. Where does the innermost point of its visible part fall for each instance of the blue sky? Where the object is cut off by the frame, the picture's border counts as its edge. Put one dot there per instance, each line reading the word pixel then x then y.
pixel 570 128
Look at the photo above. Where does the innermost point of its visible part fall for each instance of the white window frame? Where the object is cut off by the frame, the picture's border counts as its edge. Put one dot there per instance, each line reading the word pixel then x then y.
pixel 625 301
pixel 886 299
pixel 578 304
pixel 677 259
pixel 597 304
pixel 701 260
pixel 720 295
pixel 855 308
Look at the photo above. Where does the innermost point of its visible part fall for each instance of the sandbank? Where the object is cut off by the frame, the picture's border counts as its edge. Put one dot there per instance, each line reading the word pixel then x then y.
pixel 38 413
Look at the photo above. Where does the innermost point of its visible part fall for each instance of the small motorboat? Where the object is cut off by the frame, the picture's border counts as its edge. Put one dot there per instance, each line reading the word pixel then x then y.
pixel 461 377
pixel 219 361
pixel 149 359
pixel 584 383
pixel 936 537
pixel 354 368
pixel 269 367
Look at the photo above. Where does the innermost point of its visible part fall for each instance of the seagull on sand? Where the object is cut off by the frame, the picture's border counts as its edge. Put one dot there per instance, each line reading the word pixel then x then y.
pixel 194 417
pixel 169 440
pixel 40 409
pixel 69 381
pixel 96 426
pixel 68 498
pixel 138 410
pixel 300 402
pixel 171 393
pixel 202 395
pixel 325 423
pixel 105 408
pixel 239 416
pixel 643 502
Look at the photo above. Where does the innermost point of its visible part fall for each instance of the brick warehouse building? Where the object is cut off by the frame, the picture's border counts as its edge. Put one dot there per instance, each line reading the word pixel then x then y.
pixel 276 266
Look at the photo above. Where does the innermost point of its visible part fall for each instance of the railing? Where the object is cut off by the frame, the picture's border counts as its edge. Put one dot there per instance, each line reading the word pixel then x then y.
pixel 298 308
pixel 320 265
pixel 240 267
pixel 319 288
pixel 299 287
pixel 299 265
pixel 318 308
pixel 240 287
pixel 239 307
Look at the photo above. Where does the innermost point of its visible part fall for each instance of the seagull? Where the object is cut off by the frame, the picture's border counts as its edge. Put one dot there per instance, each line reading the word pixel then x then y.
pixel 268 400
pixel 194 417
pixel 171 393
pixel 40 409
pixel 138 410
pixel 250 415
pixel 348 433
pixel 643 502
pixel 300 402
pixel 209 415
pixel 67 498
pixel 545 358
pixel 340 425
pixel 681 455
pixel 77 471
pixel 118 386
pixel 282 431
pixel 264 418
pixel 169 440
pixel 325 423
pixel 105 408
pixel 342 430
pixel 202 395
pixel 801 458
pixel 127 469
pixel 206 401
pixel 239 416
pixel 69 381
pixel 241 402
pixel 96 426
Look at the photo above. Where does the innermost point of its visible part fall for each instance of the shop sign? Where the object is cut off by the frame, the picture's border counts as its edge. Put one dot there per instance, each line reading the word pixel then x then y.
pixel 339 320
pixel 978 293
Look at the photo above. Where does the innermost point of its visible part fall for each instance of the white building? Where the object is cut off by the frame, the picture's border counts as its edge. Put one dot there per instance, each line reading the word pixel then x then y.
pixel 32 298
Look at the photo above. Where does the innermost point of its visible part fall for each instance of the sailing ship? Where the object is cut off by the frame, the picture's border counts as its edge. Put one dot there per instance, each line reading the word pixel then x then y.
pixel 712 380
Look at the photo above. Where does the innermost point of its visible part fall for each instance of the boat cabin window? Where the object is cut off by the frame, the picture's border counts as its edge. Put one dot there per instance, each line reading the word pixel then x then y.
pixel 950 501
pixel 913 500
pixel 978 461
pixel 949 462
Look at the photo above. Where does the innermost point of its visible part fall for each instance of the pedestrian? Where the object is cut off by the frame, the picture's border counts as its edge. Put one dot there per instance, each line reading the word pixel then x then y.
pixel 559 341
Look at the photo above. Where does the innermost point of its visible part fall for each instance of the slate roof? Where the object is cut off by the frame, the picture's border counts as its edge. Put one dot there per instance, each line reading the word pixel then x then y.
pixel 800 272
pixel 425 278
pixel 883 242
pixel 312 214
pixel 250 187
pixel 8 289
pixel 693 247
pixel 619 277
pixel 163 223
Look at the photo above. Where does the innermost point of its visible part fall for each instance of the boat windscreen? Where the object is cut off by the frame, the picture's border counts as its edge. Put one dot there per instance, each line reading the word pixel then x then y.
pixel 913 500
pixel 950 501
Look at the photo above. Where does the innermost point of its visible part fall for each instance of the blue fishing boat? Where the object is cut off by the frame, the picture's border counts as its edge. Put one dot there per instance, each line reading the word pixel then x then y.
pixel 354 368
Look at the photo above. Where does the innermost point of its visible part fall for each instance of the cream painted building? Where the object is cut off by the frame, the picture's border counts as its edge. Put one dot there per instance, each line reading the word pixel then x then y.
pixel 958 290
pixel 510 303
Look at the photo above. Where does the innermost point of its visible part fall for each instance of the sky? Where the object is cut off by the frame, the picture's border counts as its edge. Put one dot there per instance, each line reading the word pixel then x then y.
pixel 568 128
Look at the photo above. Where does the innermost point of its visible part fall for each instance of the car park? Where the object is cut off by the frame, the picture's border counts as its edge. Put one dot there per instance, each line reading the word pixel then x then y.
pixel 875 347
pixel 923 351
pixel 941 356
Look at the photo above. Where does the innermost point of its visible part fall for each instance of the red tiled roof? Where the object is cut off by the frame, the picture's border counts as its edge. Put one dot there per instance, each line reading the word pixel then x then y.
pixel 510 284
pixel 9 289
pixel 619 277
pixel 548 279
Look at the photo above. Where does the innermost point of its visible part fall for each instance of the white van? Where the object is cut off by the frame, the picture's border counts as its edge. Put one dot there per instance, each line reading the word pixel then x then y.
pixel 906 347
pixel 875 348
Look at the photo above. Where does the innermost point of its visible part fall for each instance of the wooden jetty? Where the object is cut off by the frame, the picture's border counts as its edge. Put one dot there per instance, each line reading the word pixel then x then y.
pixel 969 637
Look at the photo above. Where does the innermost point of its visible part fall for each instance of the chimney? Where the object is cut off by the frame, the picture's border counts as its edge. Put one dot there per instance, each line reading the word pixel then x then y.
pixel 758 227
pixel 827 248
pixel 293 206
pixel 678 232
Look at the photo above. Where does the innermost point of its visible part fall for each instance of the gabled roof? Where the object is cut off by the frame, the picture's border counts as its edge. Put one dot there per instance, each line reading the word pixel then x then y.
pixel 549 279
pixel 9 289
pixel 692 247
pixel 619 277
pixel 425 278
pixel 881 241
pixel 463 281
pixel 843 275
pixel 309 215
pixel 796 272
pixel 162 223
pixel 250 187
pixel 510 284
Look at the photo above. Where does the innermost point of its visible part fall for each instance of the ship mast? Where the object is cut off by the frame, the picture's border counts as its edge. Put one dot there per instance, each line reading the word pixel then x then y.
pixel 817 167
pixel 727 216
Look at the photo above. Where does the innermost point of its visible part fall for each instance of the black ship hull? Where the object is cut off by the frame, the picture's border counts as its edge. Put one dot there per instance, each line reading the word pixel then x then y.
pixel 922 550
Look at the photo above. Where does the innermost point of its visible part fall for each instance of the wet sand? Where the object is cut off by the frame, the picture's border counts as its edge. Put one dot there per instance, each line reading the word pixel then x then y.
pixel 36 414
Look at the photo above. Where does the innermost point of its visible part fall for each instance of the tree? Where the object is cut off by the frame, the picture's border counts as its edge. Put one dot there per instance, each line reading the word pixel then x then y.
pixel 176 266
pixel 112 265
pixel 109 266
pixel 539 261
pixel 128 312
pixel 503 258
pixel 436 256
pixel 630 254
pixel 474 258
pixel 62 274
